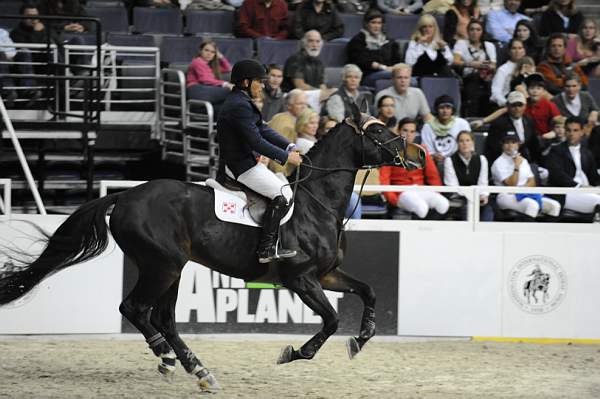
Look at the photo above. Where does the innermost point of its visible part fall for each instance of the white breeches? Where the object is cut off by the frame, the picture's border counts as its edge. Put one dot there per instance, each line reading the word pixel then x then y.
pixel 420 202
pixel 583 202
pixel 260 179
pixel 528 206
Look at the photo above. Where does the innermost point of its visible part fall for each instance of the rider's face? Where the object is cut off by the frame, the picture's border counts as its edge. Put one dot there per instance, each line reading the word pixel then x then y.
pixel 256 87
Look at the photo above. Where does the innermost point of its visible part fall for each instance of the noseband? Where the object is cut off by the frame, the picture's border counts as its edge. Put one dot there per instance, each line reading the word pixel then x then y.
pixel 398 159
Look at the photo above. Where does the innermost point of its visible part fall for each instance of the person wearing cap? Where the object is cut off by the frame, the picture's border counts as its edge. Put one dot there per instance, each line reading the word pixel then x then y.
pixel 572 165
pixel 515 121
pixel 512 169
pixel 242 133
pixel 439 134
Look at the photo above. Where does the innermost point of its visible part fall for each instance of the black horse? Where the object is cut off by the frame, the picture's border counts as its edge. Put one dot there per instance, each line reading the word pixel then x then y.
pixel 162 224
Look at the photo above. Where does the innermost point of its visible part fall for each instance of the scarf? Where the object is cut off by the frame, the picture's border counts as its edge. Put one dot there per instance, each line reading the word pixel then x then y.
pixel 374 42
pixel 439 129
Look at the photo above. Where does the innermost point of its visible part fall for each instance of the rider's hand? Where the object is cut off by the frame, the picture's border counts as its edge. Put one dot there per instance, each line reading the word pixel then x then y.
pixel 294 158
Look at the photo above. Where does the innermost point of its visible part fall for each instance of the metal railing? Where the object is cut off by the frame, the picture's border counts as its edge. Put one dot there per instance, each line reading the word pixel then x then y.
pixel 172 113
pixel 200 149
pixel 5 201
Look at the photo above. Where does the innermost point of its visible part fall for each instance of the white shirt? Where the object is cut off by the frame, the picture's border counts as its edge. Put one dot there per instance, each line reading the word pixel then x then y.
pixel 518 124
pixel 469 54
pixel 574 106
pixel 501 83
pixel 450 178
pixel 445 145
pixel 5 39
pixel 580 176
pixel 411 104
pixel 490 5
pixel 503 168
pixel 415 50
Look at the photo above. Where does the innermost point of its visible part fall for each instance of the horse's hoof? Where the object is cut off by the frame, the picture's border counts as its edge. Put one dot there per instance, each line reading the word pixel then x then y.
pixel 286 355
pixel 352 347
pixel 209 384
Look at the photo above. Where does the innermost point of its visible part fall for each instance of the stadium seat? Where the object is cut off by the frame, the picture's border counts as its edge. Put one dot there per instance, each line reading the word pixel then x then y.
pixel 353 23
pixel 105 3
pixel 113 19
pixel 333 54
pixel 157 20
pixel 9 8
pixel 119 39
pixel 382 84
pixel 435 87
pixel 201 21
pixel 235 49
pixel 594 89
pixel 333 76
pixel 177 49
pixel 400 26
pixel 275 51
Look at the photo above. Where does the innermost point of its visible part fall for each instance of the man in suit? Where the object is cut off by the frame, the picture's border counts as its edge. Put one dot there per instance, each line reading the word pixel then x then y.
pixel 516 121
pixel 242 133
pixel 572 165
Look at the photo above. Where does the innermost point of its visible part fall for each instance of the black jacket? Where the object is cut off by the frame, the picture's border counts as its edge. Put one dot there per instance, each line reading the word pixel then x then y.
pixel 561 166
pixel 241 131
pixel 530 148
pixel 551 22
pixel 327 22
pixel 359 54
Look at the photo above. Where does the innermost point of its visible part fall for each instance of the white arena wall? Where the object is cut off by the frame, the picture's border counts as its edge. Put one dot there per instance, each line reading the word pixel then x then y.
pixel 453 280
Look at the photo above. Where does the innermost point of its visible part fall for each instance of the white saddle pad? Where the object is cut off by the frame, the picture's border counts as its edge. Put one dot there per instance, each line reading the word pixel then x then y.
pixel 232 208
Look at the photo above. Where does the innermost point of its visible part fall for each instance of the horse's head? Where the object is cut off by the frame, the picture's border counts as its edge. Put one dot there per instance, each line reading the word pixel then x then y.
pixel 378 145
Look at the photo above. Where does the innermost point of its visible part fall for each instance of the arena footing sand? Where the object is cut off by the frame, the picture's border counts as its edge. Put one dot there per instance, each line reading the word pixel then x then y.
pixel 84 367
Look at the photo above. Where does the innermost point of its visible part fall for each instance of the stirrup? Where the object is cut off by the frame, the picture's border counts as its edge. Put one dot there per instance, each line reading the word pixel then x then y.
pixel 278 254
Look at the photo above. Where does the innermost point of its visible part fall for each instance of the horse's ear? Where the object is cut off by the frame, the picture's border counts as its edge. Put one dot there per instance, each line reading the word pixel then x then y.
pixel 356 115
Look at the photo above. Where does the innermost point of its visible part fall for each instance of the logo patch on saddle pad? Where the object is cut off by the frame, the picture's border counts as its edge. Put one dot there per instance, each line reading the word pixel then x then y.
pixel 234 209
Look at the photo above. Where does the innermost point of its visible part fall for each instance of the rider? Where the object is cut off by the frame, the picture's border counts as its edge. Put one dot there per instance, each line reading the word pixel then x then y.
pixel 243 134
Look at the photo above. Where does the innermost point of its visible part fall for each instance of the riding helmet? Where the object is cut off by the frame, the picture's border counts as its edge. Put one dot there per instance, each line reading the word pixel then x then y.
pixel 248 69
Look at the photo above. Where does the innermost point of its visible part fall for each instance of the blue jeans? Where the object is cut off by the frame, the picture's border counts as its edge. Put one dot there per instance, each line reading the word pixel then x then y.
pixel 354 200
pixel 370 79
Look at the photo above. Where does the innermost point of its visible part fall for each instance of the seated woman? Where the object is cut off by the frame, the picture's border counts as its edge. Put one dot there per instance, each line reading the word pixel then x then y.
pixel 574 102
pixel 427 53
pixel 582 48
pixel 386 109
pixel 417 202
pixel 502 78
pixel 525 32
pixel 511 169
pixel 372 51
pixel 467 168
pixel 457 18
pixel 204 75
pixel 477 59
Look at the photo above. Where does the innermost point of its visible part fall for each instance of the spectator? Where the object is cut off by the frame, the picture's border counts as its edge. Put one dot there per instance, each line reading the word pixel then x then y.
pixel 338 106
pixel 477 60
pixel 400 7
pixel 386 108
pixel 541 110
pixel 372 51
pixel 21 60
pixel 204 75
pixel 531 7
pixel 417 202
pixel 457 18
pixel 319 15
pixel 561 17
pixel 31 30
pixel 439 135
pixel 410 101
pixel 557 64
pixel 306 128
pixel 527 34
pixel 304 70
pixel 353 6
pixel 501 23
pixel 67 8
pixel 572 165
pixel 515 121
pixel 525 67
pixel 263 18
pixel 573 102
pixel 485 6
pixel 501 81
pixel 427 53
pixel 466 168
pixel 285 123
pixel 274 101
pixel 559 136
pixel 512 169
pixel 581 48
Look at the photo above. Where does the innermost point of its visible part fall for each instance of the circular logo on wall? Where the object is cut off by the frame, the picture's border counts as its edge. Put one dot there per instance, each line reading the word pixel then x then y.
pixel 537 284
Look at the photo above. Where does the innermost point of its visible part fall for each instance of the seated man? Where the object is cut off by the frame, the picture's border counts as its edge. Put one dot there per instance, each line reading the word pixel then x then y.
pixel 263 18
pixel 304 70
pixel 242 133
pixel 273 96
pixel 320 16
pixel 501 23
pixel 417 202
pixel 557 64
pixel 572 165
pixel 338 105
pixel 410 102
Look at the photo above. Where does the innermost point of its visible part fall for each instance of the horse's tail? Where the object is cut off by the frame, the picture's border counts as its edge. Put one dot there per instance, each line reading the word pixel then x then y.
pixel 83 236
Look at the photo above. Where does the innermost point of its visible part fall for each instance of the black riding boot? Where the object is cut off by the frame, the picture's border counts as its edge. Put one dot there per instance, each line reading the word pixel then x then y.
pixel 267 247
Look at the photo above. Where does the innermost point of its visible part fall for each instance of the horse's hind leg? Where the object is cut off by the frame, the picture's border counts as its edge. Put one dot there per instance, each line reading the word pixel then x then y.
pixel 311 293
pixel 163 318
pixel 337 280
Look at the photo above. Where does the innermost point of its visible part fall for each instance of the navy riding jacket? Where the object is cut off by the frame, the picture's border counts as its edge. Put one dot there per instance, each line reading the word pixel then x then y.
pixel 242 132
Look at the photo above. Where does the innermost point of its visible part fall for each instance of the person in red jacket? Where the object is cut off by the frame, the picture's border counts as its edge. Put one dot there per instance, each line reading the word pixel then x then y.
pixel 557 64
pixel 417 202
pixel 263 18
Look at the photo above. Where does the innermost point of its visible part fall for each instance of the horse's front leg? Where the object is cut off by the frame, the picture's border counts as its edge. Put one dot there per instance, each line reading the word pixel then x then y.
pixel 337 280
pixel 311 293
